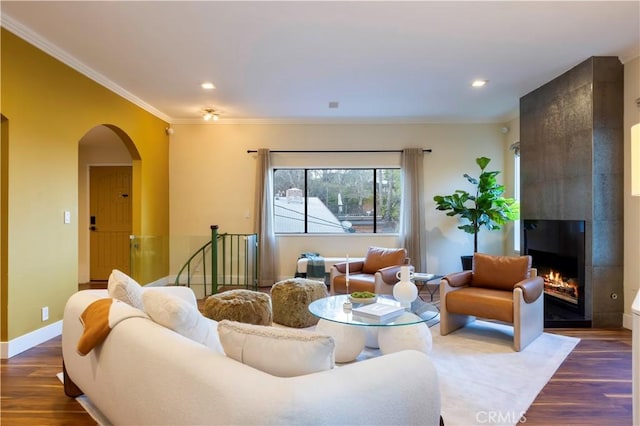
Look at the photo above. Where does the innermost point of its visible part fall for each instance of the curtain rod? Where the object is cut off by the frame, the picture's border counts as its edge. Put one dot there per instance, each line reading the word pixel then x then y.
pixel 331 151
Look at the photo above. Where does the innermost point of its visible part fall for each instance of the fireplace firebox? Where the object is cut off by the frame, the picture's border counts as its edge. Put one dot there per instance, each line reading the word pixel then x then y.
pixel 557 249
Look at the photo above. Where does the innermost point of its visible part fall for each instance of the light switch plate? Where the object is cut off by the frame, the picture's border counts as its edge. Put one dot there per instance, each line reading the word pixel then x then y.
pixel 67 217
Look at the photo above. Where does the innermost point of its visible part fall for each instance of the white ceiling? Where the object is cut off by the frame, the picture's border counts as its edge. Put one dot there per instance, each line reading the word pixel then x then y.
pixel 285 61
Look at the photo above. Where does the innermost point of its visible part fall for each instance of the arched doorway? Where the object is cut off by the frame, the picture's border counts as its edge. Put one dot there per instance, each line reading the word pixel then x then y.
pixel 105 195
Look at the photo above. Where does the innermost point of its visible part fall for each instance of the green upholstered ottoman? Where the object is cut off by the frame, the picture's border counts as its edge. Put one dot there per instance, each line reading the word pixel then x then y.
pixel 251 307
pixel 290 299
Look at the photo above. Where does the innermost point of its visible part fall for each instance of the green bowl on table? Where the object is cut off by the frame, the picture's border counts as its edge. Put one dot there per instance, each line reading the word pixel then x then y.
pixel 363 297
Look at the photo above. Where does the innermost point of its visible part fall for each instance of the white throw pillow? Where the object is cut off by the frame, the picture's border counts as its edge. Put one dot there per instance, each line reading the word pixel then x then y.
pixel 179 315
pixel 124 288
pixel 278 351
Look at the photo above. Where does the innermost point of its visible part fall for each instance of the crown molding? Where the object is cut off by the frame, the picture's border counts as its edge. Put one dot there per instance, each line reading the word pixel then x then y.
pixel 43 44
pixel 630 55
pixel 327 121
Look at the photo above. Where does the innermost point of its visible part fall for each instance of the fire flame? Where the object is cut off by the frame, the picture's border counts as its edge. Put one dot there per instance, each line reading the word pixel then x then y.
pixel 555 277
pixel 554 281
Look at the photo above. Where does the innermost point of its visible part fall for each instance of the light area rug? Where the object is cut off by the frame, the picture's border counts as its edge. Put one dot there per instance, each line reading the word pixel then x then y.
pixel 91 409
pixel 483 381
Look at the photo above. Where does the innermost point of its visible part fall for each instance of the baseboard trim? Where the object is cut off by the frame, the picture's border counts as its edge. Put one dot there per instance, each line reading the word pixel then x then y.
pixel 627 321
pixel 29 340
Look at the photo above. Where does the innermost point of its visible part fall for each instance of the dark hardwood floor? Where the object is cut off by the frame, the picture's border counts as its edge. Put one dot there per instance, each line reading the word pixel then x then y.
pixel 591 387
pixel 31 392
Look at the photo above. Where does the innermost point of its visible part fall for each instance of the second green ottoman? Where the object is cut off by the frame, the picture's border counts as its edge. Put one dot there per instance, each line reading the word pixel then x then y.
pixel 290 301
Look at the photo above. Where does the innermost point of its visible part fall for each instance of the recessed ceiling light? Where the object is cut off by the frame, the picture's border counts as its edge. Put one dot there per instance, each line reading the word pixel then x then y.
pixel 479 83
pixel 207 86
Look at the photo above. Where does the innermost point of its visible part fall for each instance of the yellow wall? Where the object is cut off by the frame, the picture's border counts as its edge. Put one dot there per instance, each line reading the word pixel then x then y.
pixel 4 183
pixel 631 204
pixel 49 107
pixel 213 182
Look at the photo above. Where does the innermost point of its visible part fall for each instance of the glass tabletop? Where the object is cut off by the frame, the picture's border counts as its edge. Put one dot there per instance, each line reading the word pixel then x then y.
pixel 332 309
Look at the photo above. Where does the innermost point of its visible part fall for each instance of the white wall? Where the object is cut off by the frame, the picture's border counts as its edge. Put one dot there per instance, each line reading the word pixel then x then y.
pixel 212 181
pixel 631 204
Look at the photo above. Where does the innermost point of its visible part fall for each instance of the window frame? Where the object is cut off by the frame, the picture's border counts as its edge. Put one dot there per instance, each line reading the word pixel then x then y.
pixel 516 196
pixel 375 191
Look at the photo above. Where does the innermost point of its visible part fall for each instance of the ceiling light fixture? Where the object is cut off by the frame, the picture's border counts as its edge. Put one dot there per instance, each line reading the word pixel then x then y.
pixel 210 114
pixel 479 83
pixel 207 86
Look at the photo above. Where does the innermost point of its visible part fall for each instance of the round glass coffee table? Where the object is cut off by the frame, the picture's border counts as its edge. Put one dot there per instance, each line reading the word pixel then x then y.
pixel 352 332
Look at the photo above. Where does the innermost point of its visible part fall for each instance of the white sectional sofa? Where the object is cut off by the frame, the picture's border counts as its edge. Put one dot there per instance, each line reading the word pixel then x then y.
pixel 146 374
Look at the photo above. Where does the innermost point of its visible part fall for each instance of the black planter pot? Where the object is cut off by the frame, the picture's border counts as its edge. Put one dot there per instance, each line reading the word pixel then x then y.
pixel 467 262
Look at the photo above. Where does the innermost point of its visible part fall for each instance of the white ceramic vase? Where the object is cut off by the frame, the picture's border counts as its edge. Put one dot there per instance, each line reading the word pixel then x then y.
pixel 405 291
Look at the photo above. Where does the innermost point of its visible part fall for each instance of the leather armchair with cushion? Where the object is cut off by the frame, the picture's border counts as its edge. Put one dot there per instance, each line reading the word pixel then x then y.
pixel 376 273
pixel 503 288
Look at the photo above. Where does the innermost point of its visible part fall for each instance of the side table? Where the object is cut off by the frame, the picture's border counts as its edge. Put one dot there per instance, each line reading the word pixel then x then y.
pixel 422 280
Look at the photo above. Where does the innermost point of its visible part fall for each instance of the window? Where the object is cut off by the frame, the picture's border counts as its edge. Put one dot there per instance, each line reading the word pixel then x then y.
pixel 321 201
pixel 516 195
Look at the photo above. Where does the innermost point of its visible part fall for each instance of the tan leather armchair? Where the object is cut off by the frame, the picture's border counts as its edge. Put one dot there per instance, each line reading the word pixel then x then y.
pixel 500 288
pixel 376 273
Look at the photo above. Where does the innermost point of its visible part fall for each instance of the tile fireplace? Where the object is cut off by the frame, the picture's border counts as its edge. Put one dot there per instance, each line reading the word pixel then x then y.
pixel 571 170
pixel 557 248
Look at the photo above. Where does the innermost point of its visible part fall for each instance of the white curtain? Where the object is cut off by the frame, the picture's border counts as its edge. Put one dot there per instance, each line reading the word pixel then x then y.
pixel 413 232
pixel 264 220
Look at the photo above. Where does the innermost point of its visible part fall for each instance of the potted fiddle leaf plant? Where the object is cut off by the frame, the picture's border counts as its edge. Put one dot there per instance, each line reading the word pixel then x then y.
pixel 483 207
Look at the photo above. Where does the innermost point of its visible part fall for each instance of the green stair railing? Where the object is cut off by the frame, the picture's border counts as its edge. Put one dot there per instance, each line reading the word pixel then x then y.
pixel 234 262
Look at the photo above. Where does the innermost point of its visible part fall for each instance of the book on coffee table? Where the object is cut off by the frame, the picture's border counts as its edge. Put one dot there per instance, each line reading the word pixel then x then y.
pixel 378 311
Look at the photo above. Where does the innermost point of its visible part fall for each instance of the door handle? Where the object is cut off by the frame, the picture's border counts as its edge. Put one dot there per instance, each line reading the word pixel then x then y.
pixel 92 228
